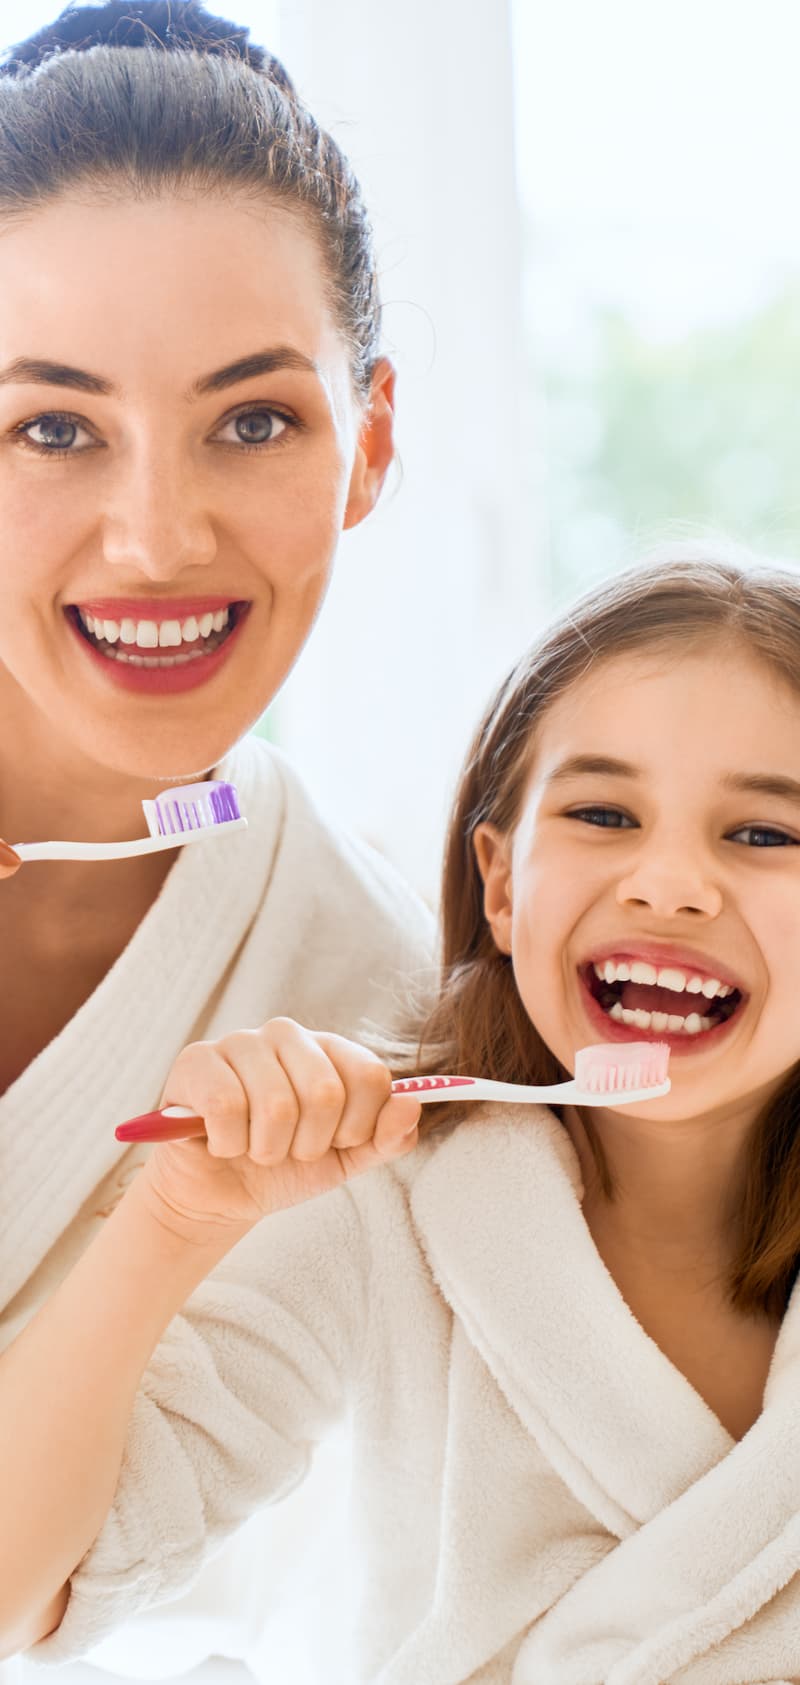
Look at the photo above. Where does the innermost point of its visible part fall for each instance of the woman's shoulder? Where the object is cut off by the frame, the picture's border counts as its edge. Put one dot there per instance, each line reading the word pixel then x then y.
pixel 314 848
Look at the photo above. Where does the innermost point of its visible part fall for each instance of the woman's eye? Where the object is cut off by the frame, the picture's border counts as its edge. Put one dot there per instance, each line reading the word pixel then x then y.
pixel 58 432
pixel 258 427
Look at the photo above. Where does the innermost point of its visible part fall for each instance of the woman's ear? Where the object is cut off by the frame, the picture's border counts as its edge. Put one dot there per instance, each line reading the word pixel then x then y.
pixel 375 447
pixel 493 855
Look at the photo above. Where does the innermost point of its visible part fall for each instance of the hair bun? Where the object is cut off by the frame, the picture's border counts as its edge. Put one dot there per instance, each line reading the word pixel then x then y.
pixel 177 25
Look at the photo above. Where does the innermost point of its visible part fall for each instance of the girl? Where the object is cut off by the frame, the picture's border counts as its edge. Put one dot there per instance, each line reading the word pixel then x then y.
pixel 570 1340
pixel 193 404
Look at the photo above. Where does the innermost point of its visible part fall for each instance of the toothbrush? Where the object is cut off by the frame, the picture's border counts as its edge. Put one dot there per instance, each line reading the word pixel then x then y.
pixel 627 1071
pixel 183 815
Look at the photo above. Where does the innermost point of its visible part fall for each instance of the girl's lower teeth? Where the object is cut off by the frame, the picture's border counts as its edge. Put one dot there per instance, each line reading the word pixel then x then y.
pixel 661 1021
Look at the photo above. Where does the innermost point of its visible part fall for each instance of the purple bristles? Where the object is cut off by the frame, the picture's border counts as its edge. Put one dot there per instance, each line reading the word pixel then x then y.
pixel 191 807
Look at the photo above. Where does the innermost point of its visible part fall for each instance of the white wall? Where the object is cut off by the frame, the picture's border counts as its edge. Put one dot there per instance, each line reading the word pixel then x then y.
pixel 437 592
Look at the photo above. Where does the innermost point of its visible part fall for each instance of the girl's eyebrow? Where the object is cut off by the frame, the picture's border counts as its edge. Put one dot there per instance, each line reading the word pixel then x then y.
pixel 41 371
pixel 606 766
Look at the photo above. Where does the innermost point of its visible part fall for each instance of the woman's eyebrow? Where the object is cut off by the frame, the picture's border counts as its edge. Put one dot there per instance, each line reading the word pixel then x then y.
pixel 42 371
pixel 759 783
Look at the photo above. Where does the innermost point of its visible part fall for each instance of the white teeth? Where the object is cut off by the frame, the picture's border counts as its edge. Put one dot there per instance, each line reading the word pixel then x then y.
pixel 660 1021
pixel 152 634
pixel 667 977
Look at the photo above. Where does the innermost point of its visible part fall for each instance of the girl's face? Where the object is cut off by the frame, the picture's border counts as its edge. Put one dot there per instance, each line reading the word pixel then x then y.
pixel 685 859
pixel 139 482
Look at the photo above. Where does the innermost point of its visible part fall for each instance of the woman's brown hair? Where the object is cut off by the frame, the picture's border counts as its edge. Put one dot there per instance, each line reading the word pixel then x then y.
pixel 674 600
pixel 149 96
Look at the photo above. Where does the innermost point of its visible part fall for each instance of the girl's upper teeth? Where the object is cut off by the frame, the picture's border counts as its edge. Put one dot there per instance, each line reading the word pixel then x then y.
pixel 667 977
pixel 156 634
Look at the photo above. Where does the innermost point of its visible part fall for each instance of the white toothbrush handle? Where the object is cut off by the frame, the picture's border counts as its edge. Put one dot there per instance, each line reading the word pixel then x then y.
pixel 483 1089
pixel 121 850
pixel 556 1094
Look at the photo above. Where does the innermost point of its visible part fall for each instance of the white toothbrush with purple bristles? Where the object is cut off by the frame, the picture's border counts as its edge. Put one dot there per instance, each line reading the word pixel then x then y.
pixel 612 1073
pixel 183 815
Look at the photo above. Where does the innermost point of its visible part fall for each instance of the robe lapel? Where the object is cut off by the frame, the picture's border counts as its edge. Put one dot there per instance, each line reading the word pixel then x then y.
pixel 110 1061
pixel 710 1529
pixel 498 1210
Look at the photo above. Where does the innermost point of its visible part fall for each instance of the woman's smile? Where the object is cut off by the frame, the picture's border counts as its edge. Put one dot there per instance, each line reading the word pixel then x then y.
pixel 161 648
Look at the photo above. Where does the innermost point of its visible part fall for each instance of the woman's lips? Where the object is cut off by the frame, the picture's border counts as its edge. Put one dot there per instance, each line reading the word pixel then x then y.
pixel 159 681
pixel 680 1044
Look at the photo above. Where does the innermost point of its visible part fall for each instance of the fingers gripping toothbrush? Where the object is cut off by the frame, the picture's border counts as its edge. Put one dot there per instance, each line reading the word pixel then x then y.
pixel 611 1073
pixel 186 814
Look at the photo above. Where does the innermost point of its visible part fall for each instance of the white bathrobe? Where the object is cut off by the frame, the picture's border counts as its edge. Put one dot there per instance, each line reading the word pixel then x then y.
pixel 288 917
pixel 539 1496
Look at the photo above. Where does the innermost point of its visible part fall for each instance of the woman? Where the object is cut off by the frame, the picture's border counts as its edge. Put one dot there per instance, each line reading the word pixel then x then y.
pixel 193 404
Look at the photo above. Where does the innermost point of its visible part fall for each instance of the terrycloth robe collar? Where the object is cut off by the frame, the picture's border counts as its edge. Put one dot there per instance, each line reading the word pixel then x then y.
pixel 114 1055
pixel 704 1531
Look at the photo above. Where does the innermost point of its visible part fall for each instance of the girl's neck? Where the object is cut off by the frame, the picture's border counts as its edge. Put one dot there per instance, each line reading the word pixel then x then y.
pixel 676 1201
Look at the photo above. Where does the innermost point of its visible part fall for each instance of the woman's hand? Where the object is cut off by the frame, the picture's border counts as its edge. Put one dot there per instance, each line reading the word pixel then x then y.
pixel 289 1114
pixel 9 861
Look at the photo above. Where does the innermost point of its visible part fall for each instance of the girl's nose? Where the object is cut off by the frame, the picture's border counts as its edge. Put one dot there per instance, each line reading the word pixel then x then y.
pixel 669 883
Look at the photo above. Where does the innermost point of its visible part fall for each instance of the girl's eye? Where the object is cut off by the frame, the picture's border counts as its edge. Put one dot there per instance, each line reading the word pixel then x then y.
pixel 259 426
pixel 771 836
pixel 607 815
pixel 775 838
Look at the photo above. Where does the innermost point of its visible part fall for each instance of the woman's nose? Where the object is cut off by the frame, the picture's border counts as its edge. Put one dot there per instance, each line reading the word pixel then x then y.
pixel 157 523
pixel 670 880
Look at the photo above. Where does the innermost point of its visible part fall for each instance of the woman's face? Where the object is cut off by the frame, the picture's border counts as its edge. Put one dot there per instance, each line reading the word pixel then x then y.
pixel 680 863
pixel 157 493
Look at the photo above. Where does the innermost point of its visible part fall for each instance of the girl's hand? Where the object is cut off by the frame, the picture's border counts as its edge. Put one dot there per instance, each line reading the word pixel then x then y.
pixel 9 861
pixel 289 1114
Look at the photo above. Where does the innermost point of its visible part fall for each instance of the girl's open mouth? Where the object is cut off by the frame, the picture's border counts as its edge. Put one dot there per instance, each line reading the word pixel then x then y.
pixel 627 1011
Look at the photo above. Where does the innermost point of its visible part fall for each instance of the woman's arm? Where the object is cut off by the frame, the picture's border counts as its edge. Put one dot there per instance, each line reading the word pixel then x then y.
pixel 67 1386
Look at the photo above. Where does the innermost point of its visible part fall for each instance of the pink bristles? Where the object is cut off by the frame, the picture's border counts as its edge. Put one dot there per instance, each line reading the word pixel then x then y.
pixel 610 1067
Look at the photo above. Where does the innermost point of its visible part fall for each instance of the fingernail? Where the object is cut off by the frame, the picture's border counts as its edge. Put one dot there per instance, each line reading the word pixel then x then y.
pixel 8 855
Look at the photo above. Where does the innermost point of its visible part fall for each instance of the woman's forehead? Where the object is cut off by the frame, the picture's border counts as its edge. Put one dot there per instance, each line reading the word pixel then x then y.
pixel 171 268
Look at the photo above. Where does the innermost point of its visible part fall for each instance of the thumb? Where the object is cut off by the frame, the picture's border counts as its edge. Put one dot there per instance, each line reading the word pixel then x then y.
pixel 9 860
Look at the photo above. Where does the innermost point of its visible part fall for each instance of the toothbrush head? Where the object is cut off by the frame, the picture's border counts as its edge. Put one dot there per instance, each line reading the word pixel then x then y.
pixel 615 1067
pixel 192 807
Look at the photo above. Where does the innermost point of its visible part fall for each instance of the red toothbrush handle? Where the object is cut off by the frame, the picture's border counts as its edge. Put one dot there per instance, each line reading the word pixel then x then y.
pixel 160 1126
pixel 157 1126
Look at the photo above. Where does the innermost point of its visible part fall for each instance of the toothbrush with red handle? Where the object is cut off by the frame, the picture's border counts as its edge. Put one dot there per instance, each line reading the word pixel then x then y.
pixel 612 1071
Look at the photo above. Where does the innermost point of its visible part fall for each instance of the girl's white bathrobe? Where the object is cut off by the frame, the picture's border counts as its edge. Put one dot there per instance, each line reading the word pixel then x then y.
pixel 539 1496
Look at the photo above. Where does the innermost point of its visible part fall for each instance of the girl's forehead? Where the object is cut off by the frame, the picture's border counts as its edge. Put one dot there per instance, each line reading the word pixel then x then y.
pixel 648 674
pixel 716 700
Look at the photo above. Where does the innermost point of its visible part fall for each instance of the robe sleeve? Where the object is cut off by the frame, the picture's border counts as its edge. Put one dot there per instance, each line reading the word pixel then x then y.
pixel 244 1383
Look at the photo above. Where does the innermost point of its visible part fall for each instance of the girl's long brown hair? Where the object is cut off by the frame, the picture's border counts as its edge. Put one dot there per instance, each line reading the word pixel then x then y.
pixel 677 598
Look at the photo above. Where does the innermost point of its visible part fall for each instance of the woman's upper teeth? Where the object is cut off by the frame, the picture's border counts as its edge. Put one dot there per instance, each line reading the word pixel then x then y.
pixel 667 977
pixel 156 634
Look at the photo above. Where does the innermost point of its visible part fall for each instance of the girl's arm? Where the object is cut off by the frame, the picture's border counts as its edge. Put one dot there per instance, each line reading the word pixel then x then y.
pixel 67 1386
